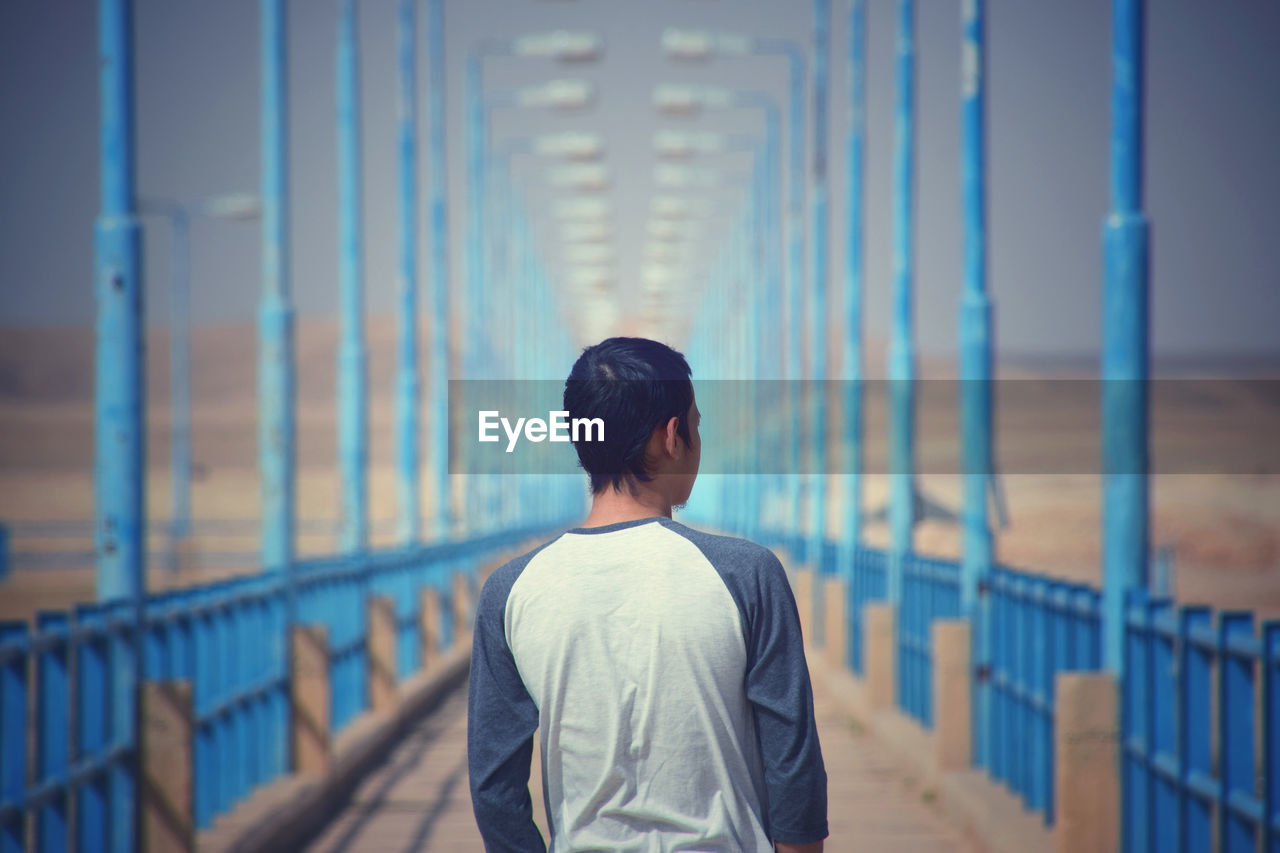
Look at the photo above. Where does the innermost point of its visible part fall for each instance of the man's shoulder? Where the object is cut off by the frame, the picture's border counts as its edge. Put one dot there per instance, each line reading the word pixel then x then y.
pixel 500 581
pixel 729 554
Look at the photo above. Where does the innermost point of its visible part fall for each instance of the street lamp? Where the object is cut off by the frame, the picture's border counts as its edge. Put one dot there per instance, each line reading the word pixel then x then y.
pixel 572 145
pixel 588 253
pixel 597 277
pixel 580 176
pixel 586 232
pixel 576 208
pixel 231 206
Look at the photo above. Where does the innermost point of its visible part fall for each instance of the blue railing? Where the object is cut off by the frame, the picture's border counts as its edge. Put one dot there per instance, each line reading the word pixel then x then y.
pixel 1191 743
pixel 1038 628
pixel 867 583
pixel 930 590
pixel 80 673
pixel 68 689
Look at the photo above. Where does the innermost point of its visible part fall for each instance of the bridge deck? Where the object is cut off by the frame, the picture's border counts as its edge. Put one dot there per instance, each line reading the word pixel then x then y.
pixel 419 800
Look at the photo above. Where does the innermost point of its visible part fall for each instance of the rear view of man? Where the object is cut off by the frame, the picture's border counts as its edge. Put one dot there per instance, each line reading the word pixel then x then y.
pixel 662 667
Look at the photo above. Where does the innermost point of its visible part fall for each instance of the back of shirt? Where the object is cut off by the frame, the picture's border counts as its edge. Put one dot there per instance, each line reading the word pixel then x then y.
pixel 665 671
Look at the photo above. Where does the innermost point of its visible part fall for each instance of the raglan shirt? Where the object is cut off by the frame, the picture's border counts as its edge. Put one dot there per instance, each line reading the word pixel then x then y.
pixel 665 670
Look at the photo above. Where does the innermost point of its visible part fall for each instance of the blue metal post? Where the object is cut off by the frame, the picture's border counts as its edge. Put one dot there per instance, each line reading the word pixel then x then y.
pixel 14 688
pixel 1125 341
pixel 353 439
pixel 475 280
pixel 476 146
pixel 407 485
pixel 795 278
pixel 119 430
pixel 975 364
pixel 818 307
pixel 180 377
pixel 119 425
pixel 439 362
pixel 818 318
pixel 901 348
pixel 852 367
pixel 276 378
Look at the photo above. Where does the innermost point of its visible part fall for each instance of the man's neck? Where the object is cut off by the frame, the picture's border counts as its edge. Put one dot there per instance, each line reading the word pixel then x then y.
pixel 613 506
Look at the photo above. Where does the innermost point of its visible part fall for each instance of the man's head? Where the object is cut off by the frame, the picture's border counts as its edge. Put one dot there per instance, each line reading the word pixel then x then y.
pixel 642 391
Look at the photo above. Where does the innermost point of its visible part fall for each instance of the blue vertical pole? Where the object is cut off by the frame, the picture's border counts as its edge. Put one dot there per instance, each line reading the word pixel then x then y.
pixel 180 378
pixel 119 431
pixel 476 147
pixel 352 416
pixel 818 318
pixel 795 278
pixel 407 485
pixel 439 362
pixel 818 307
pixel 276 381
pixel 475 281
pixel 119 427
pixel 975 364
pixel 1124 341
pixel 901 352
pixel 852 367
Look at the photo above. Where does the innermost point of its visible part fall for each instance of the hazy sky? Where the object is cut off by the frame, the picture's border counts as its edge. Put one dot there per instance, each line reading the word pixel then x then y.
pixel 1213 176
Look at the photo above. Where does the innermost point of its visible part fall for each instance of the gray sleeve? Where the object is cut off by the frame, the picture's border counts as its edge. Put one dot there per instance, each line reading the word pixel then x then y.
pixel 501 721
pixel 777 685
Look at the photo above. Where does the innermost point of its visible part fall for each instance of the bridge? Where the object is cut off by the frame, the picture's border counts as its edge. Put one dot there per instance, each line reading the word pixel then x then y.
pixel 278 695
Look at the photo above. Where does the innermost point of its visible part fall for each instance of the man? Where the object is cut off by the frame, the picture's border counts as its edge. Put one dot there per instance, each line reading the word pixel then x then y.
pixel 662 667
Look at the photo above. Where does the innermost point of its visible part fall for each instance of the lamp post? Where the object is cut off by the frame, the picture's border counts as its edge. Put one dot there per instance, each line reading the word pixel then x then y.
pixel 852 352
pixel 235 206
pixel 439 341
pixel 408 487
pixel 976 360
pixel 818 313
pixel 1126 341
pixel 353 427
pixel 119 409
pixel 901 348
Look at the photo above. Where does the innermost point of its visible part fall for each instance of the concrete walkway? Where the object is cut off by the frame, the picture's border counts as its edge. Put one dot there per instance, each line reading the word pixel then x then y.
pixel 419 800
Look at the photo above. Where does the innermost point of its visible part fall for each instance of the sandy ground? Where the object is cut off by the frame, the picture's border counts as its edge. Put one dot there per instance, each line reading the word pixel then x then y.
pixel 1224 527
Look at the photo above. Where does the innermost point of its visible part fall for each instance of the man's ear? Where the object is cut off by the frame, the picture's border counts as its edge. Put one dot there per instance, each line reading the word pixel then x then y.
pixel 671 439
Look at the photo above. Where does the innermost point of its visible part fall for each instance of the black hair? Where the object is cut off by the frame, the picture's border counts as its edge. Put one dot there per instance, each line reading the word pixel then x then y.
pixel 633 385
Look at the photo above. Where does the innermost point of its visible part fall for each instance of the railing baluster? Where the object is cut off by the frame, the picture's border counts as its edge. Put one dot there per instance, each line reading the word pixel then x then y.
pixel 52 728
pixel 91 716
pixel 1195 668
pixel 1271 735
pixel 14 640
pixel 1163 796
pixel 1235 735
